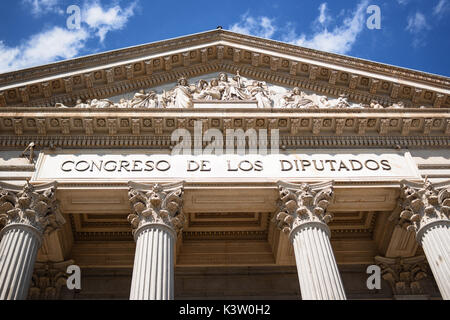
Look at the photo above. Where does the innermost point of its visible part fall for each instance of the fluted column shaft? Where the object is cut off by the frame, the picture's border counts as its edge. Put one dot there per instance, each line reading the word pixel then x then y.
pixel 27 213
pixel 435 240
pixel 317 268
pixel 303 215
pixel 153 272
pixel 157 219
pixel 18 251
pixel 426 209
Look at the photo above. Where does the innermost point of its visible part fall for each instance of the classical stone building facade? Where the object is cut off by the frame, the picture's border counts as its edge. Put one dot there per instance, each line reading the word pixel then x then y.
pixel 347 165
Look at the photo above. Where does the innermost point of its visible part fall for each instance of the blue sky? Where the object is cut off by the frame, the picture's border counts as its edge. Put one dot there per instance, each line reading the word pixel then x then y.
pixel 414 33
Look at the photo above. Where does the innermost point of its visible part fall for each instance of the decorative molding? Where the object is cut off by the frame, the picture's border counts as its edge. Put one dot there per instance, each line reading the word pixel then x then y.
pixel 404 274
pixel 303 204
pixel 424 204
pixel 89 141
pixel 156 204
pixel 169 71
pixel 48 280
pixel 35 207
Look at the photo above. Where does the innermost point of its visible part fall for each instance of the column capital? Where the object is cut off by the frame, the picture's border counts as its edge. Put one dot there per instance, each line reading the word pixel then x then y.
pixel 404 274
pixel 156 205
pixel 424 205
pixel 303 205
pixel 48 280
pixel 33 207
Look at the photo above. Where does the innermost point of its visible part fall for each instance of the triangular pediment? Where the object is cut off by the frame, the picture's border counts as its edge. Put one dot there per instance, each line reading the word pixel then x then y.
pixel 153 66
pixel 221 90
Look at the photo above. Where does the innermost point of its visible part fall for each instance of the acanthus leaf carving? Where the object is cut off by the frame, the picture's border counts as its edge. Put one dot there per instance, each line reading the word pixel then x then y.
pixel 302 204
pixel 35 207
pixel 404 275
pixel 422 204
pixel 156 204
pixel 48 280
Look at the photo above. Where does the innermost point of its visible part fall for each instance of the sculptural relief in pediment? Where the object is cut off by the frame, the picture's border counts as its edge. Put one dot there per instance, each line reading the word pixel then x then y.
pixel 222 89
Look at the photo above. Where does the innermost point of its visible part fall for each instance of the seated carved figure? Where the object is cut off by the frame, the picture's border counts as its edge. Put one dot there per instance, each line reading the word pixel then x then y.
pixel 233 89
pixel 297 99
pixel 144 100
pixel 342 102
pixel 207 91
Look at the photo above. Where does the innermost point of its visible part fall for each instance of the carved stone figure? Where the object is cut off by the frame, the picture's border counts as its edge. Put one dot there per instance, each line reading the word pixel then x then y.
pixel 260 92
pixel 233 89
pixel 297 99
pixel 102 104
pixel 182 95
pixel 82 105
pixel 144 100
pixel 398 105
pixel 342 102
pixel 225 88
pixel 207 91
pixel 374 104
pixel 123 104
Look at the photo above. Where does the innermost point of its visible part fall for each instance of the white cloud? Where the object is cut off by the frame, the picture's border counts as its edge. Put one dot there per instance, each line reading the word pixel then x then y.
pixel 39 7
pixel 403 2
pixel 324 17
pixel 58 43
pixel 417 23
pixel 339 40
pixel 441 8
pixel 44 47
pixel 260 27
pixel 105 20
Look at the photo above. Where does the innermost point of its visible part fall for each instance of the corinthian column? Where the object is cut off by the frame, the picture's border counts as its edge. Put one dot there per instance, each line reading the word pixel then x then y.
pixel 304 218
pixel 427 208
pixel 157 219
pixel 27 214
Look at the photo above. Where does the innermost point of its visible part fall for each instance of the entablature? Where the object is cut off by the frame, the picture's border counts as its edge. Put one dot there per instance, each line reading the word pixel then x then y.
pixel 155 123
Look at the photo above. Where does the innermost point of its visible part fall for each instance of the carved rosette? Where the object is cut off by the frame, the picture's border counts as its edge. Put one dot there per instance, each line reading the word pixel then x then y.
pixel 156 205
pixel 304 205
pixel 404 274
pixel 424 205
pixel 33 207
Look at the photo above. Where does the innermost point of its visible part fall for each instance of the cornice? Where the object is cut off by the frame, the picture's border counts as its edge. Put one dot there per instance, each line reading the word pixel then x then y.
pixel 337 59
pixel 107 57
pixel 213 35
pixel 164 142
pixel 150 125
pixel 127 70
